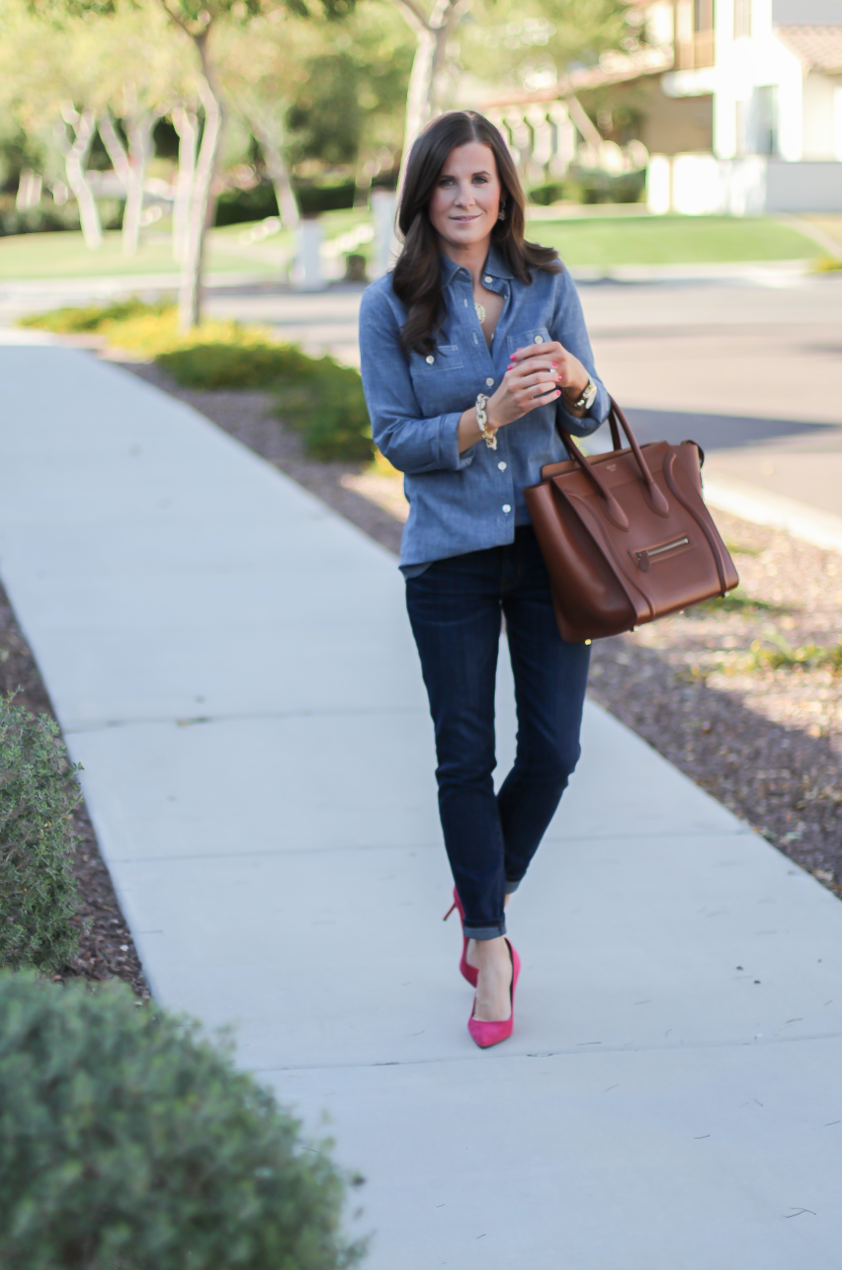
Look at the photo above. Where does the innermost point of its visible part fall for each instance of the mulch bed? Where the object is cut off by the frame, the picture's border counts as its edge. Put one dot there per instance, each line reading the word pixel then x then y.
pixel 702 688
pixel 106 948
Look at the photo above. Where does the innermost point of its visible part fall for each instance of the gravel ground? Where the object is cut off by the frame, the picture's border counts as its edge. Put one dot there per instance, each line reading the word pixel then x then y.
pixel 765 741
pixel 702 688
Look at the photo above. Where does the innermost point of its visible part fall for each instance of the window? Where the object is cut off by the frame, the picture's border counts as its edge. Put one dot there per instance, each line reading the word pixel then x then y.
pixel 742 18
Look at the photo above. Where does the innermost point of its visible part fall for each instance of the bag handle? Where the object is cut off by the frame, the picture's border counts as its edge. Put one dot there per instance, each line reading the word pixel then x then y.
pixel 615 417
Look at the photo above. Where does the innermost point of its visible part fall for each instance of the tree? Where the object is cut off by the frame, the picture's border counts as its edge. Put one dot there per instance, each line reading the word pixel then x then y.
pixel 506 42
pixel 150 79
pixel 50 81
pixel 432 36
pixel 197 21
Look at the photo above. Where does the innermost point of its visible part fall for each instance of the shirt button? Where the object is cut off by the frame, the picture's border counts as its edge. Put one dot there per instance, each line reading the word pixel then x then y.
pixel 487 279
pixel 539 339
pixel 502 467
pixel 489 382
pixel 430 360
pixel 506 508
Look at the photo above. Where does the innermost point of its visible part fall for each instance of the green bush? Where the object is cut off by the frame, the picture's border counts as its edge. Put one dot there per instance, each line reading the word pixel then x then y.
pixel 549 192
pixel 37 887
pixel 128 1142
pixel 596 186
pixel 321 399
pixel 224 364
pixel 49 217
pixel 233 207
pixel 92 317
pixel 314 198
pixel 329 411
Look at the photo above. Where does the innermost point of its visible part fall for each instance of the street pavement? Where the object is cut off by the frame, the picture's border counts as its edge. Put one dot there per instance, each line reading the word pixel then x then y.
pixel 232 665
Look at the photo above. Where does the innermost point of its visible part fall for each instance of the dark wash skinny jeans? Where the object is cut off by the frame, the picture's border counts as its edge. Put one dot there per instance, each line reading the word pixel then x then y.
pixel 454 607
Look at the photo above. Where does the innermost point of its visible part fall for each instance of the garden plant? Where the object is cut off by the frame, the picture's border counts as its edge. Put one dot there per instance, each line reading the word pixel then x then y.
pixel 128 1141
pixel 38 793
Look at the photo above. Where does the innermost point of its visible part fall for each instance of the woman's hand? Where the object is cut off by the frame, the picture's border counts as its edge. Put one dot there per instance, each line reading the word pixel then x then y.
pixel 536 376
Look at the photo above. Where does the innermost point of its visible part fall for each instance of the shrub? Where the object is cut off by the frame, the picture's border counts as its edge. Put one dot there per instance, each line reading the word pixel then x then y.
pixel 597 186
pixel 549 192
pixel 330 413
pixel 91 318
pixel 224 364
pixel 329 196
pixel 233 207
pixel 129 1142
pixel 37 887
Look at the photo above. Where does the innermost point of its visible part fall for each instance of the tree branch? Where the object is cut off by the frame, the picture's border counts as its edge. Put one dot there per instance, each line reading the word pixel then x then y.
pixel 413 15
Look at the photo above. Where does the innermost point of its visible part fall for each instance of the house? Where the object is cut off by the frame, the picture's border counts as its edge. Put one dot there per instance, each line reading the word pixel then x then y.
pixel 738 104
pixel 770 74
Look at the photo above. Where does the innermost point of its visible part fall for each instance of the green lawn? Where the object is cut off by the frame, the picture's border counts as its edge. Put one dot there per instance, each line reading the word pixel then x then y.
pixel 64 255
pixel 601 241
pixel 671 240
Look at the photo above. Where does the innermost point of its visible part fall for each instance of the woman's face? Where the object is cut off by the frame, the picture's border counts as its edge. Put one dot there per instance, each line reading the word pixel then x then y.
pixel 466 197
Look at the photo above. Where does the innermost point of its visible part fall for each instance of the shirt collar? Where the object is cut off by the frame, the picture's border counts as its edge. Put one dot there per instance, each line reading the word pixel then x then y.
pixel 495 265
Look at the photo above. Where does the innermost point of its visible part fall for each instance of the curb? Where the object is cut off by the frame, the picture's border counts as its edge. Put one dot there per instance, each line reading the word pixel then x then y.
pixel 822 529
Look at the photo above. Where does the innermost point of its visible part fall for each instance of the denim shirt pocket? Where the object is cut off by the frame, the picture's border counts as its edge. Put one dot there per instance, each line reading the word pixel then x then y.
pixel 520 339
pixel 437 380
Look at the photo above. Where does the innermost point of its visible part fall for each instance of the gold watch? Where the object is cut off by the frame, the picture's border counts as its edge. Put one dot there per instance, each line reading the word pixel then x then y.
pixel 587 397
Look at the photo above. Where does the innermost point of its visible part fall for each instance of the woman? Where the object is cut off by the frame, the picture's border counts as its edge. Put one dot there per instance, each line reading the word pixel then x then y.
pixel 471 349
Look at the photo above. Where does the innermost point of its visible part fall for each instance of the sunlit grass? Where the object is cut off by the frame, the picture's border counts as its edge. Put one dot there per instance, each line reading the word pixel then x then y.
pixel 669 240
pixel 64 255
pixel 597 241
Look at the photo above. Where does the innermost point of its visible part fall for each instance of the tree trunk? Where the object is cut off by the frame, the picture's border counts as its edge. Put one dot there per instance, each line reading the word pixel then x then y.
pixel 189 300
pixel 432 37
pixel 582 120
pixel 275 166
pixel 140 131
pixel 186 124
pixel 130 168
pixel 75 157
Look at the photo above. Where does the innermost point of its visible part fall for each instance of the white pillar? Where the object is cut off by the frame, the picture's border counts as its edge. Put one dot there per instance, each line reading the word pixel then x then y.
pixel 308 273
pixel 385 242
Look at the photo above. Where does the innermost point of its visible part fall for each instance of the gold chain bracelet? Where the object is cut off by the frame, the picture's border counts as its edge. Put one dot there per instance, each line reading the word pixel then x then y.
pixel 489 435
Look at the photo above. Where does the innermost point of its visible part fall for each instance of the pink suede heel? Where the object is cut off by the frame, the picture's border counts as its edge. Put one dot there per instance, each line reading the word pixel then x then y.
pixel 487 1034
pixel 467 971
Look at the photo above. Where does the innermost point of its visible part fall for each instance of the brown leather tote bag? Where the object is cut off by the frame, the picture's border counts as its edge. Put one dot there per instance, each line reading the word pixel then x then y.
pixel 626 536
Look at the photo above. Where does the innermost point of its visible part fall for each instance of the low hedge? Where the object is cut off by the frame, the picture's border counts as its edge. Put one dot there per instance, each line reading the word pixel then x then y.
pixel 130 1142
pixel 38 793
pixel 316 395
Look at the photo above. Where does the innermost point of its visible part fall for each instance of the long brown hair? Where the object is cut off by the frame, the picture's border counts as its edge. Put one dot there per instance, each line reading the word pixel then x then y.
pixel 416 279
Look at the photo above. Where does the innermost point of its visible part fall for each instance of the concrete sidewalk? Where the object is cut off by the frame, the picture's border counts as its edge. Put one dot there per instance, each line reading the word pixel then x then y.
pixel 232 665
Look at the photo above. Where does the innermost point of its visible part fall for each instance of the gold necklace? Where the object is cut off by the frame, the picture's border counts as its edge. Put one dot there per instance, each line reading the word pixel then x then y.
pixel 480 308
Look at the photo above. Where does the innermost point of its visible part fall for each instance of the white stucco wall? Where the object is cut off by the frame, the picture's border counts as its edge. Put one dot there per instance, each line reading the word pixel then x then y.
pixel 819 94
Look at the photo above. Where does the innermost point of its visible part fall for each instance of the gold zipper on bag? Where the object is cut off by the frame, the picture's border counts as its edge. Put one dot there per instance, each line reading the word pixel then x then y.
pixel 652 553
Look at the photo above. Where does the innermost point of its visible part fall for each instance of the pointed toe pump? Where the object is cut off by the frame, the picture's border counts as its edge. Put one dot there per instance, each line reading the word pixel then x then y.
pixel 487 1034
pixel 468 972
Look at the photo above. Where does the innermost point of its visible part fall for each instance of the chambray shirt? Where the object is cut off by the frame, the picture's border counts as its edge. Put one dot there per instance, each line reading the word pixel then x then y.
pixel 469 501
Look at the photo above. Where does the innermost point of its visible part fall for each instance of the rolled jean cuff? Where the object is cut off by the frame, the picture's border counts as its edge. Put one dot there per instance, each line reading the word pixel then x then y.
pixel 511 887
pixel 485 932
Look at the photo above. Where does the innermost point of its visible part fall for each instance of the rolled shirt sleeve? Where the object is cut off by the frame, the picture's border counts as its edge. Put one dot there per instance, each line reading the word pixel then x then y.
pixel 570 320
pixel 412 444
